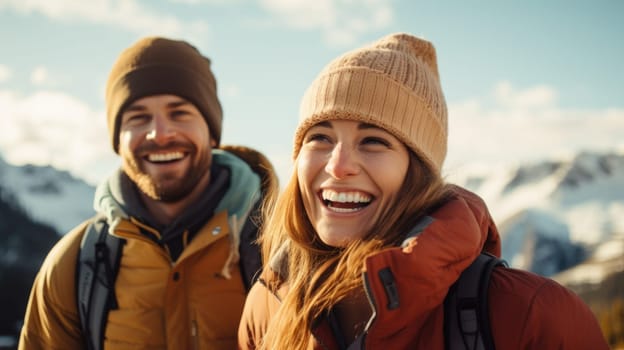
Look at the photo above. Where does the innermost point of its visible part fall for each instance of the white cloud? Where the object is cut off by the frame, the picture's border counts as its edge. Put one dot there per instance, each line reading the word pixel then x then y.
pixel 50 127
pixel 5 73
pixel 200 2
pixel 537 96
pixel 39 76
pixel 526 126
pixel 341 21
pixel 127 14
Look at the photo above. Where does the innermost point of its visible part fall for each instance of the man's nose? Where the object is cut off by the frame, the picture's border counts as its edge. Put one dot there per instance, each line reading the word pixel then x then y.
pixel 161 130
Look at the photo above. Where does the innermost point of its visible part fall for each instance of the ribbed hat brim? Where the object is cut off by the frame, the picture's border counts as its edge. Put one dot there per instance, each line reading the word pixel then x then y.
pixel 356 93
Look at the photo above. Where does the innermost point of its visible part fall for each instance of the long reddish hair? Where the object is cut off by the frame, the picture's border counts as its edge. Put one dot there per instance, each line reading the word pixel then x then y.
pixel 319 276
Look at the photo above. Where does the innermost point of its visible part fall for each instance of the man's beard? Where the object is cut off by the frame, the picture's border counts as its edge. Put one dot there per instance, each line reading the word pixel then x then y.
pixel 168 188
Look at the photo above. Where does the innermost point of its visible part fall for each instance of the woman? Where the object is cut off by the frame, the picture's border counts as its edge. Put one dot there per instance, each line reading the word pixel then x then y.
pixel 366 239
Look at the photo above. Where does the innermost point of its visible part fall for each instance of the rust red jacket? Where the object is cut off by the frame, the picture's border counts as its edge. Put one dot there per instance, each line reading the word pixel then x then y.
pixel 527 311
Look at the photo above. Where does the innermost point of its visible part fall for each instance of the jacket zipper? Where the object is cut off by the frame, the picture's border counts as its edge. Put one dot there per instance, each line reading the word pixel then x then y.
pixel 194 337
pixel 142 237
pixel 371 301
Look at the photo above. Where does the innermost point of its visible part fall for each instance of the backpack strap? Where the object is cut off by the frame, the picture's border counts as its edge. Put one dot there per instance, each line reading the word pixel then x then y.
pixel 249 249
pixel 97 267
pixel 466 314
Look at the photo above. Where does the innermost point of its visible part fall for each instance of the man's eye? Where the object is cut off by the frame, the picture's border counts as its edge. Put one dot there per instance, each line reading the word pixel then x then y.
pixel 138 118
pixel 179 113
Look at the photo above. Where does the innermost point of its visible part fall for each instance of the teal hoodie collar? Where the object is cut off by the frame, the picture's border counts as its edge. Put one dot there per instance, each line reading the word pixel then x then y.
pixel 243 192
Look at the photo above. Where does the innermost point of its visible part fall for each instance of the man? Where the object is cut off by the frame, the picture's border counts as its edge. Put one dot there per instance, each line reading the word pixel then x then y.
pixel 181 209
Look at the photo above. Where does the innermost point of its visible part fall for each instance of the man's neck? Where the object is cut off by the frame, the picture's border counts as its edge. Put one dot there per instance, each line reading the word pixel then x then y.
pixel 166 212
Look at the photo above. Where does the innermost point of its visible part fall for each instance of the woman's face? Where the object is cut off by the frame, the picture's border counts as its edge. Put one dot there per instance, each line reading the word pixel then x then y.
pixel 348 173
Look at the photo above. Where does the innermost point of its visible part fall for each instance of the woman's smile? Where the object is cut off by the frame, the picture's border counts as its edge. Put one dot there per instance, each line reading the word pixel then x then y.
pixel 345 202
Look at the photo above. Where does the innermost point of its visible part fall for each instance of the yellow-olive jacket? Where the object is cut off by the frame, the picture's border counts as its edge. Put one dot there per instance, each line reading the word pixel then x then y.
pixel 192 302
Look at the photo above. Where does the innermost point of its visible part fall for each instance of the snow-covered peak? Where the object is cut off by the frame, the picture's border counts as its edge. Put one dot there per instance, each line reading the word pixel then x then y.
pixel 537 241
pixel 48 195
pixel 585 192
pixel 606 259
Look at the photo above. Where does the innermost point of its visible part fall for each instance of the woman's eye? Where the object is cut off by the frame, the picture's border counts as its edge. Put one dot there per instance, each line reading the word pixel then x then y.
pixel 375 141
pixel 317 138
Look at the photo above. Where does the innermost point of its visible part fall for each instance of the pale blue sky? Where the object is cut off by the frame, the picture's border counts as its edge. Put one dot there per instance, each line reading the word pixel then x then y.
pixel 524 80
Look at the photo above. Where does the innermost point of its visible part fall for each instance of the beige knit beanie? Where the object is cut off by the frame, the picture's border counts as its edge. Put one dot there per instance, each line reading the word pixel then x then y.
pixel 392 83
pixel 154 66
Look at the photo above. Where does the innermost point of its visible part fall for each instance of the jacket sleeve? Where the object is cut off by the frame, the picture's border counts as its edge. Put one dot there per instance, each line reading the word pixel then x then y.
pixel 260 306
pixel 528 311
pixel 559 319
pixel 51 320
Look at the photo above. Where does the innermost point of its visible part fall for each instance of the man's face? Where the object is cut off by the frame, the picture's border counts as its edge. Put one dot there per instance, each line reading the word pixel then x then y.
pixel 165 147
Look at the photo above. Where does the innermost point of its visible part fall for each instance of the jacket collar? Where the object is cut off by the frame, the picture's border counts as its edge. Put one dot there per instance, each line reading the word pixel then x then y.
pixel 234 187
pixel 406 285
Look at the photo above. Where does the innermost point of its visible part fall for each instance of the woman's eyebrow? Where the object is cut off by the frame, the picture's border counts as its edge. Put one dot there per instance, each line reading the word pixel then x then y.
pixel 324 124
pixel 365 126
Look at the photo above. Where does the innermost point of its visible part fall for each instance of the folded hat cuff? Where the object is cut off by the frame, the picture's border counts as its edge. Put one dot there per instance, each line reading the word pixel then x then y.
pixel 372 97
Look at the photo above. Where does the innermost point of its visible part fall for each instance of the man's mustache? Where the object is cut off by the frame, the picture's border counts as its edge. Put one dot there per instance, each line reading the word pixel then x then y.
pixel 151 147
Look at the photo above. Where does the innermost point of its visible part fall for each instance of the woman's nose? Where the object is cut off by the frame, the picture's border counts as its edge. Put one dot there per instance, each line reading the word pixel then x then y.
pixel 342 162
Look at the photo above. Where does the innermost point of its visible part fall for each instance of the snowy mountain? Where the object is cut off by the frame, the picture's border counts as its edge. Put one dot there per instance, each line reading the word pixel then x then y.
pixel 606 259
pixel 553 214
pixel 23 245
pixel 48 195
pixel 536 241
pixel 37 205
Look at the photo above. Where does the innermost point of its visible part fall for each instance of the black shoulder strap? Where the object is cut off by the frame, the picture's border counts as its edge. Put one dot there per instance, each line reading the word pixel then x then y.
pixel 249 248
pixel 97 267
pixel 466 317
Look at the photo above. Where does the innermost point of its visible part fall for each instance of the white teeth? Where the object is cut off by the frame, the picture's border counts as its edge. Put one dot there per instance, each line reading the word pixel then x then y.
pixel 345 197
pixel 344 210
pixel 165 157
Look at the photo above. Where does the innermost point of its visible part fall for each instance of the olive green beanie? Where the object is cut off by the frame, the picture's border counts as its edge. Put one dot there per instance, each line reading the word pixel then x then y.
pixel 392 83
pixel 154 66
